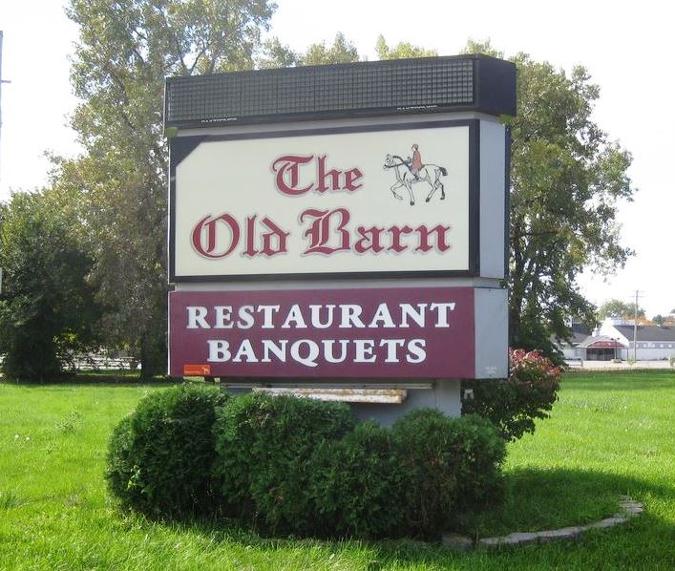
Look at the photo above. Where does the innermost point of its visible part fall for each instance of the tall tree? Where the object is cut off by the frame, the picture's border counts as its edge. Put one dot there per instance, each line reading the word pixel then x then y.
pixel 274 54
pixel 341 51
pixel 125 50
pixel 401 50
pixel 619 310
pixel 567 178
pixel 47 308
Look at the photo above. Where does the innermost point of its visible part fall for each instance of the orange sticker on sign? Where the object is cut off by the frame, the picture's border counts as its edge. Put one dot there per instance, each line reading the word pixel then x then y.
pixel 197 370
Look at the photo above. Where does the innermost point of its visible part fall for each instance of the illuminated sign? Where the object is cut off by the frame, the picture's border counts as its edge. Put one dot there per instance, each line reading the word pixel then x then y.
pixel 385 201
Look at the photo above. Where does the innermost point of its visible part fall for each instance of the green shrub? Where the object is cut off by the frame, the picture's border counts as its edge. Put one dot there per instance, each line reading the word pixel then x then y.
pixel 160 458
pixel 479 478
pixel 298 466
pixel 446 465
pixel 514 404
pixel 119 466
pixel 356 484
pixel 48 308
pixel 265 445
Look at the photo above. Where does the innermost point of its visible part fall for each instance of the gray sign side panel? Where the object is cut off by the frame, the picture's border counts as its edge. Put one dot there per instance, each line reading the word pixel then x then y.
pixel 492 214
pixel 492 331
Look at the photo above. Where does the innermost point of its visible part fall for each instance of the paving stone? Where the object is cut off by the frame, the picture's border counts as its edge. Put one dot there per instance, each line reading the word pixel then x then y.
pixel 632 508
pixel 511 539
pixel 457 542
pixel 526 537
pixel 607 522
pixel 490 542
pixel 562 533
pixel 629 507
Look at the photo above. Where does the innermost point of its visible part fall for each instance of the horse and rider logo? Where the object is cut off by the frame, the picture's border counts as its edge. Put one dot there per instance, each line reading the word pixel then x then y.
pixel 411 170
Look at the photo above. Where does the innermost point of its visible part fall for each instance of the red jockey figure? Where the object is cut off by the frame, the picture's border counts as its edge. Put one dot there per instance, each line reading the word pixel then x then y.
pixel 416 163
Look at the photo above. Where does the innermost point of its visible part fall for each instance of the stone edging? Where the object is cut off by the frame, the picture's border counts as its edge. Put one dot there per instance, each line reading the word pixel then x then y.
pixel 629 508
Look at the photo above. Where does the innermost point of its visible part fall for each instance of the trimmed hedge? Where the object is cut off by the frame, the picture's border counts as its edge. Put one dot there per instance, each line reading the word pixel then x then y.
pixel 160 458
pixel 264 446
pixel 358 483
pixel 296 466
pixel 448 465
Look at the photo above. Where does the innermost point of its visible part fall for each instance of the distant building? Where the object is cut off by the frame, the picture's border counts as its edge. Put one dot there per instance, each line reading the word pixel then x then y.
pixel 614 340
pixel 654 342
pixel 570 348
pixel 600 348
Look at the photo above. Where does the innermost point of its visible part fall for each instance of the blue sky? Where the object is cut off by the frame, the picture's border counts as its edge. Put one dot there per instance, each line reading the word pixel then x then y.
pixel 628 48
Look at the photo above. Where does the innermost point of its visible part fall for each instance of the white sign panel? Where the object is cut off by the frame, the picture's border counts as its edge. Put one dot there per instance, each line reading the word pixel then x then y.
pixel 392 201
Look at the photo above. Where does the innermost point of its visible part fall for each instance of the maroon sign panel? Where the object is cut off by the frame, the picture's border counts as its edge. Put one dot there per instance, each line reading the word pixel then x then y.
pixel 419 333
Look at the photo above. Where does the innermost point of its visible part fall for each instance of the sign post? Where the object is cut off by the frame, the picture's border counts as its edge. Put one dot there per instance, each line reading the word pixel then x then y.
pixel 342 226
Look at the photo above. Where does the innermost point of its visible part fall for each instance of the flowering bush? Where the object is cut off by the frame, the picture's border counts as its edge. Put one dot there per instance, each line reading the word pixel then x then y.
pixel 531 366
pixel 514 404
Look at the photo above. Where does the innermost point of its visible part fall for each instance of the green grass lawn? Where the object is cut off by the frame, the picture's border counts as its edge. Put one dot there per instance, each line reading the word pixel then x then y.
pixel 610 434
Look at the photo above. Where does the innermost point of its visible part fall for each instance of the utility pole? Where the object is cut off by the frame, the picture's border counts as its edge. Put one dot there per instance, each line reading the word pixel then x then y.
pixel 635 318
pixel 1 82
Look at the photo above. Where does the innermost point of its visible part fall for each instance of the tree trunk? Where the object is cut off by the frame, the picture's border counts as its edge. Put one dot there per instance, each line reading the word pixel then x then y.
pixel 148 365
pixel 514 323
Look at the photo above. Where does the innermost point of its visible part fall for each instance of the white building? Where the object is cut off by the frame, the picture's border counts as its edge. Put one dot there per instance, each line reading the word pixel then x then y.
pixel 600 348
pixel 653 342
pixel 570 348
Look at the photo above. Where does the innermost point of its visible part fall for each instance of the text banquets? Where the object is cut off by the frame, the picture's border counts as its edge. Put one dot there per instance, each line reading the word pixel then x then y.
pixel 320 325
